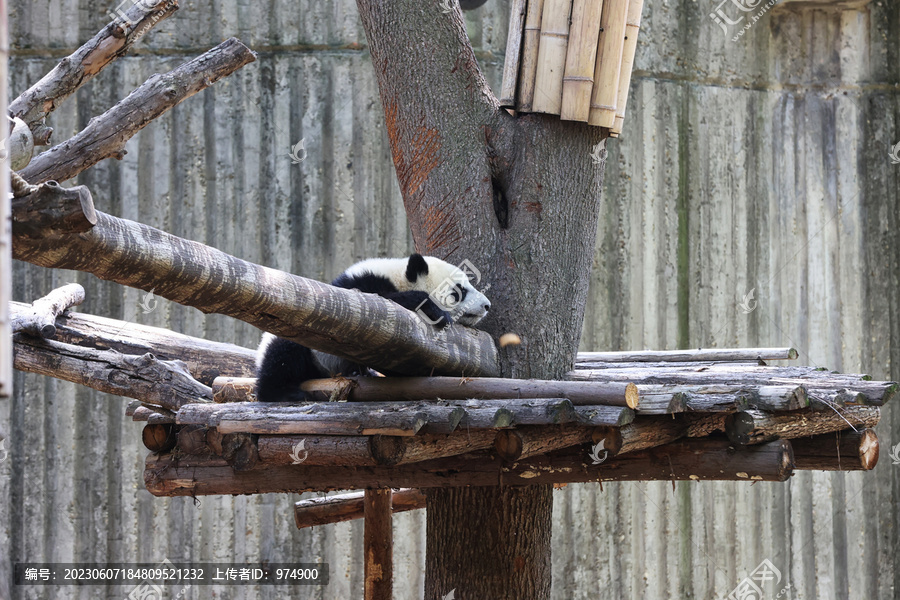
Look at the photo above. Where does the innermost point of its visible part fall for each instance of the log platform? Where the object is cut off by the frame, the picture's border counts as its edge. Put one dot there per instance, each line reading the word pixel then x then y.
pixel 681 415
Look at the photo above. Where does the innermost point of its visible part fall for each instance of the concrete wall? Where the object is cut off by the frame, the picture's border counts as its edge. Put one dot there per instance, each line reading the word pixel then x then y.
pixel 757 164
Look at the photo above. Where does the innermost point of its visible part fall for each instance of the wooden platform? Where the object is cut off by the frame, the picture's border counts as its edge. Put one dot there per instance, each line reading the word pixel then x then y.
pixel 681 415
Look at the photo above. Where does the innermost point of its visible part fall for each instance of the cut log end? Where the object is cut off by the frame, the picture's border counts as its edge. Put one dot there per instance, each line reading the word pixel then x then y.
pixel 632 398
pixel 159 437
pixel 868 450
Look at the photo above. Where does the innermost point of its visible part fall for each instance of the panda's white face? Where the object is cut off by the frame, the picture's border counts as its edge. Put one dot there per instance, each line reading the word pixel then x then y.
pixel 451 289
pixel 445 283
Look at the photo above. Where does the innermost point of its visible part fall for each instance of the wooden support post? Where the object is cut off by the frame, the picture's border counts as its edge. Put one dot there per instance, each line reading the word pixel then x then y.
pixel 379 544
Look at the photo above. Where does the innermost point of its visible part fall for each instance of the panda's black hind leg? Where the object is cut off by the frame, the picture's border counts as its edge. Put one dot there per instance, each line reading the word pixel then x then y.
pixel 285 365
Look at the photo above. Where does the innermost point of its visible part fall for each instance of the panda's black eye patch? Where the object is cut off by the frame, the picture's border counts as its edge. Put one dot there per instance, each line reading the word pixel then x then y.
pixel 458 293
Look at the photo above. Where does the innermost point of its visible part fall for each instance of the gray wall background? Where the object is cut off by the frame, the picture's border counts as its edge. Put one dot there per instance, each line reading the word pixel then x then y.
pixel 761 163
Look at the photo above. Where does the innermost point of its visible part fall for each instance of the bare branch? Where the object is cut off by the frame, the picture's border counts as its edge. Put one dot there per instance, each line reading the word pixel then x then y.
pixel 106 135
pixel 206 360
pixel 40 318
pixel 361 327
pixel 163 383
pixel 81 66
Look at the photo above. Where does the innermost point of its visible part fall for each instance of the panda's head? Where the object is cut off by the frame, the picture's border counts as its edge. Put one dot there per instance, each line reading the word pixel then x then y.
pixel 448 286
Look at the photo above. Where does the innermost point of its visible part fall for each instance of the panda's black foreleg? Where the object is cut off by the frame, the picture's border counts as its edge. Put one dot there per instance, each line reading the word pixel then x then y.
pixel 285 365
pixel 421 303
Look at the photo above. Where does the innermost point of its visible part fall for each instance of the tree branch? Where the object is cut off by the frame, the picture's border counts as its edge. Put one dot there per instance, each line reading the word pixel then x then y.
pixel 106 135
pixel 205 360
pixel 361 327
pixel 81 66
pixel 40 318
pixel 146 378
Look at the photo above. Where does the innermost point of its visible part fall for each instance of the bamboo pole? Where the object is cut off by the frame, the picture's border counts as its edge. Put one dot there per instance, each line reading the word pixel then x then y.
pixel 368 389
pixel 551 65
pixel 379 544
pixel 632 27
pixel 530 42
pixel 513 53
pixel 581 57
pixel 609 63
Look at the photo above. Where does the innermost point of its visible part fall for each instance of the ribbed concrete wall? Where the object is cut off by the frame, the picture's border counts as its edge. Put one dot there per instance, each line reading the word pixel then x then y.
pixel 760 164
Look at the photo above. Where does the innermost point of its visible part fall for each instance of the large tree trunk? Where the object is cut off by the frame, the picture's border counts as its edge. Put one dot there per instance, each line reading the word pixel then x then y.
pixel 519 199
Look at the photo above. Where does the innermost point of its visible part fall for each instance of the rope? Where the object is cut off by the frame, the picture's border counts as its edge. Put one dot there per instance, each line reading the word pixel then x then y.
pixel 20 187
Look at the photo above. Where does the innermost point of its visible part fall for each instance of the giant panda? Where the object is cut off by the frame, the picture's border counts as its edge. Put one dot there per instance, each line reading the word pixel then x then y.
pixel 413 283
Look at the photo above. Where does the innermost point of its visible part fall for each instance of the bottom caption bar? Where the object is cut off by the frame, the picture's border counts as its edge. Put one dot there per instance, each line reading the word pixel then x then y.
pixel 168 573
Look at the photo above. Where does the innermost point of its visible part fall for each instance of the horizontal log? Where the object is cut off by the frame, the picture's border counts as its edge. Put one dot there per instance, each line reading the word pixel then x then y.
pixel 841 451
pixel 40 318
pixel 700 354
pixel 205 360
pixel 347 507
pixel 700 459
pixel 364 328
pixel 728 398
pixel 816 382
pixel 368 451
pixel 404 389
pixel 153 381
pixel 144 413
pixel 754 427
pixel 393 418
pixel 368 389
pixel 523 442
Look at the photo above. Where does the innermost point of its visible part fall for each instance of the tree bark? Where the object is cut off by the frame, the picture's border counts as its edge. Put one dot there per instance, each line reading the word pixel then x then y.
pixel 365 328
pixel 517 198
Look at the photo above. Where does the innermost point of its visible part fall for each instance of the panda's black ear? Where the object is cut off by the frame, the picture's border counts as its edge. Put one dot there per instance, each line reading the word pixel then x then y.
pixel 416 267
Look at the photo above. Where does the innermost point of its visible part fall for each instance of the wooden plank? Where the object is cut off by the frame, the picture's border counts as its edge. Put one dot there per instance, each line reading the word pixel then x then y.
pixel 581 57
pixel 609 63
pixel 515 32
pixel 632 27
pixel 552 56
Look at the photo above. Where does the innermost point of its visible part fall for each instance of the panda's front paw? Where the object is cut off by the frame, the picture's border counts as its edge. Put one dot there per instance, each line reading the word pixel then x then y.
pixel 434 315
